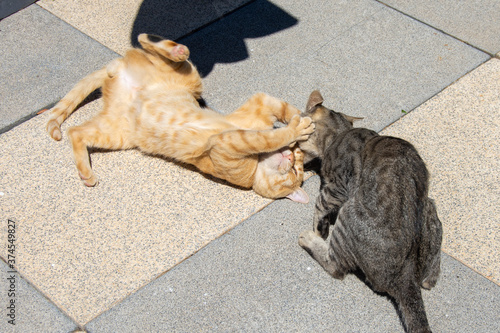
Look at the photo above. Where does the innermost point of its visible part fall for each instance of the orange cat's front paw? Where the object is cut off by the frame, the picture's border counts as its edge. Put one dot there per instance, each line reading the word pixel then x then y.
pixel 89 181
pixel 304 128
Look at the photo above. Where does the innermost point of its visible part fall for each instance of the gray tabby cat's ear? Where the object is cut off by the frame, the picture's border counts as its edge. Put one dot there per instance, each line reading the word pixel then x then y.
pixel 350 118
pixel 315 99
pixel 299 195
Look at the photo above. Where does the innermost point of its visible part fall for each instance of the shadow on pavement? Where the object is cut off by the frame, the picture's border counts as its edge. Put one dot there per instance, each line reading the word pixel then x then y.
pixel 222 41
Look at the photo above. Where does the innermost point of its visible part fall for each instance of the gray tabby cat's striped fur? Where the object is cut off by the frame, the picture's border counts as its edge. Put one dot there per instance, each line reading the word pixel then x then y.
pixel 374 196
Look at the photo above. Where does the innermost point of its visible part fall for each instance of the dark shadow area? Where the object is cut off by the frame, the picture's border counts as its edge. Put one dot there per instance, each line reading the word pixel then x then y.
pixel 314 165
pixel 9 7
pixel 223 40
pixel 174 19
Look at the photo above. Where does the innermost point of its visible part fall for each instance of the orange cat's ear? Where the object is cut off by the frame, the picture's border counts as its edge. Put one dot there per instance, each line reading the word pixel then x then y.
pixel 315 99
pixel 299 195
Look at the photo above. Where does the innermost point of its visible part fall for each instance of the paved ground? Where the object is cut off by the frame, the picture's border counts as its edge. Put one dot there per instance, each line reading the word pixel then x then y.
pixel 159 248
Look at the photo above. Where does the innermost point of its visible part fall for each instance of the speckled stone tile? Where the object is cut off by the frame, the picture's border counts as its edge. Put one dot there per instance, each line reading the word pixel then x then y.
pixel 457 132
pixel 88 248
pixel 116 23
pixel 473 21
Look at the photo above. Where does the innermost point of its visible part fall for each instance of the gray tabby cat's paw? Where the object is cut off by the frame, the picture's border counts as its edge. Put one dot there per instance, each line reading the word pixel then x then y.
pixel 307 239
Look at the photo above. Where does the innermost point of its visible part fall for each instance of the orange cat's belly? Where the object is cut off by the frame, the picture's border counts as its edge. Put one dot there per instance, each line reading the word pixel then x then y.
pixel 181 132
pixel 181 143
pixel 240 172
pixel 173 125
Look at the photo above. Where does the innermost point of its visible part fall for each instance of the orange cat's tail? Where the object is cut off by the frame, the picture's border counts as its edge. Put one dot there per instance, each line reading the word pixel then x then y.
pixel 68 104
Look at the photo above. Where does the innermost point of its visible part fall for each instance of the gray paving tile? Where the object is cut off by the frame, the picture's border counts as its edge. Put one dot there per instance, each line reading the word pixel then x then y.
pixel 264 34
pixel 390 63
pixel 41 59
pixel 475 22
pixel 372 63
pixel 257 279
pixel 32 312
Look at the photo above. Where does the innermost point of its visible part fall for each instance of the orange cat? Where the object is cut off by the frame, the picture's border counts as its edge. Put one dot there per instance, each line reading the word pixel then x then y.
pixel 151 102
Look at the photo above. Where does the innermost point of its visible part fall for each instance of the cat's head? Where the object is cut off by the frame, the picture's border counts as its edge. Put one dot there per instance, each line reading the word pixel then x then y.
pixel 280 174
pixel 329 124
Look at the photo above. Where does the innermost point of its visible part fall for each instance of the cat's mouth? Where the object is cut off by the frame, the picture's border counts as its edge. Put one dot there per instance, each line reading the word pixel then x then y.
pixel 287 161
pixel 287 154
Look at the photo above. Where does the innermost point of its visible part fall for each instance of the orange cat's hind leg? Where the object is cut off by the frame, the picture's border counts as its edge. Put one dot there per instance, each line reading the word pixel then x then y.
pixel 97 133
pixel 261 111
pixel 167 48
pixel 68 104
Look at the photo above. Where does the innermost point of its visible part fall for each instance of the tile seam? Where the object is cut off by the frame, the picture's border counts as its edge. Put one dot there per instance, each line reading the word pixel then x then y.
pixel 436 94
pixel 46 297
pixel 491 55
pixel 469 267
pixel 121 300
pixel 333 37
pixel 72 26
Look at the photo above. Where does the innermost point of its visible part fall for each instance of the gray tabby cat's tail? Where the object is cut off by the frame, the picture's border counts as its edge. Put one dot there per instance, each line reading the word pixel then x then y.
pixel 412 309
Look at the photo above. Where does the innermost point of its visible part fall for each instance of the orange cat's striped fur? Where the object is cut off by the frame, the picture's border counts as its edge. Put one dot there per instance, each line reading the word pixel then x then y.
pixel 150 101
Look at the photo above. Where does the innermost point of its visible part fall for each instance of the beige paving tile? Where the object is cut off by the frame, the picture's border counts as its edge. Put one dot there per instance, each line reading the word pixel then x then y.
pixel 108 22
pixel 88 248
pixel 457 132
pixel 114 22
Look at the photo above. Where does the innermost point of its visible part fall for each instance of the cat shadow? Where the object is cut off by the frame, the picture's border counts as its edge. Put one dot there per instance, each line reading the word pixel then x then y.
pixel 192 168
pixel 219 41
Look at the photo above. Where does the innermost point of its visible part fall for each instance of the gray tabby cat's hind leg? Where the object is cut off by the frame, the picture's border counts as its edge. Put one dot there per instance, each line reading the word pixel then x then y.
pixel 318 248
pixel 430 252
pixel 433 271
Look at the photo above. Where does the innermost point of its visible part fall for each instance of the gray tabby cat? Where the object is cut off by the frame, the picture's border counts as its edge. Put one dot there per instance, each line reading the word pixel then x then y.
pixel 374 195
